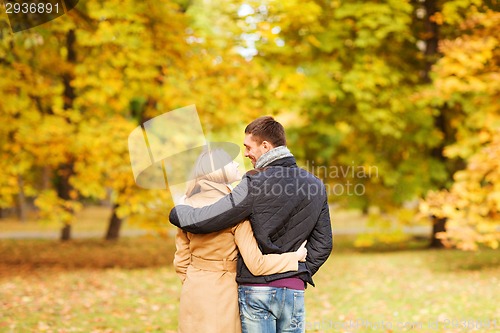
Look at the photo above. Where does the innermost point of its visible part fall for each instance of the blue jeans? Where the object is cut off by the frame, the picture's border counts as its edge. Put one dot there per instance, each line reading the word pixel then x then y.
pixel 271 310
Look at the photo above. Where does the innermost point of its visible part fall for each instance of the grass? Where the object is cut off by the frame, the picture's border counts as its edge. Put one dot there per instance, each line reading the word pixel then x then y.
pixel 389 289
pixel 91 218
pixel 130 286
pixel 29 256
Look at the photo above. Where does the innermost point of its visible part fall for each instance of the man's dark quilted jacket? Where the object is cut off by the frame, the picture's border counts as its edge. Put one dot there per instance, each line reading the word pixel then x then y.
pixel 286 205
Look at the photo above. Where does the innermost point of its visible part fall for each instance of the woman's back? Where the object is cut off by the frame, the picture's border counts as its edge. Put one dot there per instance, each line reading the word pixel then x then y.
pixel 209 296
pixel 218 245
pixel 206 263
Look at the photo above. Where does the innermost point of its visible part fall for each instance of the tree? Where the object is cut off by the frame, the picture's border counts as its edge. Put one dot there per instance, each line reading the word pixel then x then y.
pixel 70 79
pixel 465 81
pixel 348 72
pixel 31 97
pixel 356 77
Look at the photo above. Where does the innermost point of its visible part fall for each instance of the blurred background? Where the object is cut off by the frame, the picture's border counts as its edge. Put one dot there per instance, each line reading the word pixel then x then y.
pixel 394 104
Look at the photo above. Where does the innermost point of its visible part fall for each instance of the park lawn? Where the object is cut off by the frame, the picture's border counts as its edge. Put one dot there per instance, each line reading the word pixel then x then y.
pixel 90 219
pixel 130 286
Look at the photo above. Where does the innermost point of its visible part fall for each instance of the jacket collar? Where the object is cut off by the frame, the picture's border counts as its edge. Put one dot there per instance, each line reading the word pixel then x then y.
pixel 287 162
pixel 213 188
pixel 272 155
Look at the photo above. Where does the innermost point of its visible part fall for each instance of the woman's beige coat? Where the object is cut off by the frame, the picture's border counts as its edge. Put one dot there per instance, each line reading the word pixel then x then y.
pixel 206 265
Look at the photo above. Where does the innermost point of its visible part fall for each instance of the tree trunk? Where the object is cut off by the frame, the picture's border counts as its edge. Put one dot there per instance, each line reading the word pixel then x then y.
pixel 438 226
pixel 66 233
pixel 46 175
pixel 432 37
pixel 115 224
pixel 431 51
pixel 66 170
pixel 21 200
pixel 64 192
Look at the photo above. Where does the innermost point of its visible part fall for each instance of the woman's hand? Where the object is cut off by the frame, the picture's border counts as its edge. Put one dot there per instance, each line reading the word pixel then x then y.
pixel 302 252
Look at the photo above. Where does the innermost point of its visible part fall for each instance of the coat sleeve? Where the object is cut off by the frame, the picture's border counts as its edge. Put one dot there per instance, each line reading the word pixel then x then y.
pixel 227 212
pixel 320 242
pixel 182 257
pixel 258 263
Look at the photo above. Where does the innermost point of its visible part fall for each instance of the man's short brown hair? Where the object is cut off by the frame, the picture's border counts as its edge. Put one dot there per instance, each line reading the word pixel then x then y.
pixel 267 129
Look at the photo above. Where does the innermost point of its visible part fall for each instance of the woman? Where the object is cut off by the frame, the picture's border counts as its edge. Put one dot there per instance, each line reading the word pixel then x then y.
pixel 206 264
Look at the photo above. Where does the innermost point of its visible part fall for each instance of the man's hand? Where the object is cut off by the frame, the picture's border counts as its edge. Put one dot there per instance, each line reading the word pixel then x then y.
pixel 302 252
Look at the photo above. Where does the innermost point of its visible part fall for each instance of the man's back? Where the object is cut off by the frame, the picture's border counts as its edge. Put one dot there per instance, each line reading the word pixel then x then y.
pixel 287 205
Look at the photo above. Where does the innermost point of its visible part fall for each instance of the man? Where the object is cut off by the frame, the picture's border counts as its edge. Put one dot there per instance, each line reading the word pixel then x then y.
pixel 286 205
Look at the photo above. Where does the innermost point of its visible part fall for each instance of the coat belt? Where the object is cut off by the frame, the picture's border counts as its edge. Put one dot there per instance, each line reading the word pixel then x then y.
pixel 228 265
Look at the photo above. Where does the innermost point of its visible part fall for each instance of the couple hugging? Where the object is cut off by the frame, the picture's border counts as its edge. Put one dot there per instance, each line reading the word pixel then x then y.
pixel 245 255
